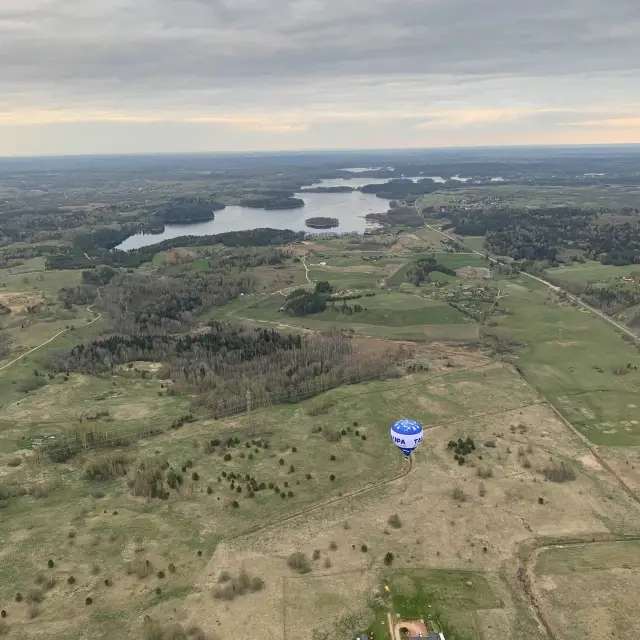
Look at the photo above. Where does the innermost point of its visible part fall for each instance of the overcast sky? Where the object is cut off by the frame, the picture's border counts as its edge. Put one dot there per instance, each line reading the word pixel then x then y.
pixel 119 76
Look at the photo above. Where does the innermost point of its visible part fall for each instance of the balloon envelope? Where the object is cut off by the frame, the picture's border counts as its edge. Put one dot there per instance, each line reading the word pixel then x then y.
pixel 406 435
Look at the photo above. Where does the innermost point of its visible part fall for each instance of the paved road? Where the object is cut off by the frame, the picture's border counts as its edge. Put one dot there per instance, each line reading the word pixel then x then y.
pixel 575 299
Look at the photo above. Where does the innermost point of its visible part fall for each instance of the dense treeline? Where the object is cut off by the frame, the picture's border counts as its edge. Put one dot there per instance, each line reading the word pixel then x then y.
pixel 303 303
pixel 419 271
pixel 186 210
pixel 398 216
pixel 75 259
pixel 343 189
pixel 222 365
pixel 542 234
pixel 147 305
pixel 257 202
pixel 403 189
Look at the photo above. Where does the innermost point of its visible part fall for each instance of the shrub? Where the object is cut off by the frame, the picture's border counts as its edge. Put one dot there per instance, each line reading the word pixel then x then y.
pixel 235 504
pixel 3 614
pixel 281 462
pixel 458 494
pixel 291 468
pixel 172 567
pixel 160 574
pixel 333 545
pixel 491 444
pixel 540 500
pixel 14 462
pixel 34 595
pixel 526 463
pixel 332 435
pixel 294 449
pixel 388 558
pixel 148 480
pixel 355 423
pixel 108 582
pixel 320 406
pixel 50 564
pixel 158 591
pixel 195 476
pixel 18 597
pixel 308 476
pixel 196 633
pixel 316 554
pixel 107 466
pixel 299 562
pixel 327 563
pixel 257 584
pixel 88 600
pixel 141 567
pixel 209 489
pixel 394 521
pixel 484 471
pixel 225 593
pixel 363 437
pixel 559 472
pixel 363 548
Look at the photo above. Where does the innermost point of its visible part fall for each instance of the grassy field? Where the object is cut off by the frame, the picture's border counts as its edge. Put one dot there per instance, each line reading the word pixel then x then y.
pixel 589 591
pixel 577 361
pixel 592 271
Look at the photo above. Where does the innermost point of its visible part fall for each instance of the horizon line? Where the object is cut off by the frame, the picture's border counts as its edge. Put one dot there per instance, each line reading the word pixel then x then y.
pixel 319 150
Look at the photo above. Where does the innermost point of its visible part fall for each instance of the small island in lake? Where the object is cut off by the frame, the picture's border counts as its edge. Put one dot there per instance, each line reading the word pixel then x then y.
pixel 321 222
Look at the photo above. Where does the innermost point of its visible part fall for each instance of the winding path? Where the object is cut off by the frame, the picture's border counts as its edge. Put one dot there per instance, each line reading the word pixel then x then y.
pixel 42 344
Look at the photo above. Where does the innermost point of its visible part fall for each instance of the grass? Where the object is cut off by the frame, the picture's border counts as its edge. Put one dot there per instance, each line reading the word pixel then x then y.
pixel 191 520
pixel 592 271
pixel 446 600
pixel 587 588
pixel 575 371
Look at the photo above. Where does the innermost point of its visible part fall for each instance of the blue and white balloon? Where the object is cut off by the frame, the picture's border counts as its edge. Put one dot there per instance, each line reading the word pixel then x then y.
pixel 406 435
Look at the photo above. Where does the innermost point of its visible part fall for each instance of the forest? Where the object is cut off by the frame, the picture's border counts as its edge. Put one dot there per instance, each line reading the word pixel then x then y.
pixel 398 216
pixel 542 234
pixel 221 365
pixel 74 259
pixel 272 203
pixel 419 271
pixel 186 210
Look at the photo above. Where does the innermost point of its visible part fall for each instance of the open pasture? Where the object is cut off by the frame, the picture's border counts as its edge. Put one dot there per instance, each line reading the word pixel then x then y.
pixel 590 591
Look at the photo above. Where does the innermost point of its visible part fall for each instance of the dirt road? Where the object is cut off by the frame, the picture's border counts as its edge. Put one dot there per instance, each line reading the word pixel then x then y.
pixel 42 344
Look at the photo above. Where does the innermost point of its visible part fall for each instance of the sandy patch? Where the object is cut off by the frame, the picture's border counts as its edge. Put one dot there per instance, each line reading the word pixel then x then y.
pixel 18 302
pixel 590 462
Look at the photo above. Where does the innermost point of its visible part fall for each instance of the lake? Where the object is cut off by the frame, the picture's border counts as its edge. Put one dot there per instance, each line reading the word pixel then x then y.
pixel 349 208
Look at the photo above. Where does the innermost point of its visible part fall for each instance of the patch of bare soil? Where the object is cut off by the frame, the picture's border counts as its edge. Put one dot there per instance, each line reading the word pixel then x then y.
pixel 401 629
pixel 18 302
pixel 473 272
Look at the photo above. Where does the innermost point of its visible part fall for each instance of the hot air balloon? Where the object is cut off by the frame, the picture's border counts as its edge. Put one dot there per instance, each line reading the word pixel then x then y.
pixel 406 435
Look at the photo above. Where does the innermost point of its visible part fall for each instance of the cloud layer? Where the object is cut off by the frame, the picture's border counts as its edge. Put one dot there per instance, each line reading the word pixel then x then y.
pixel 320 73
